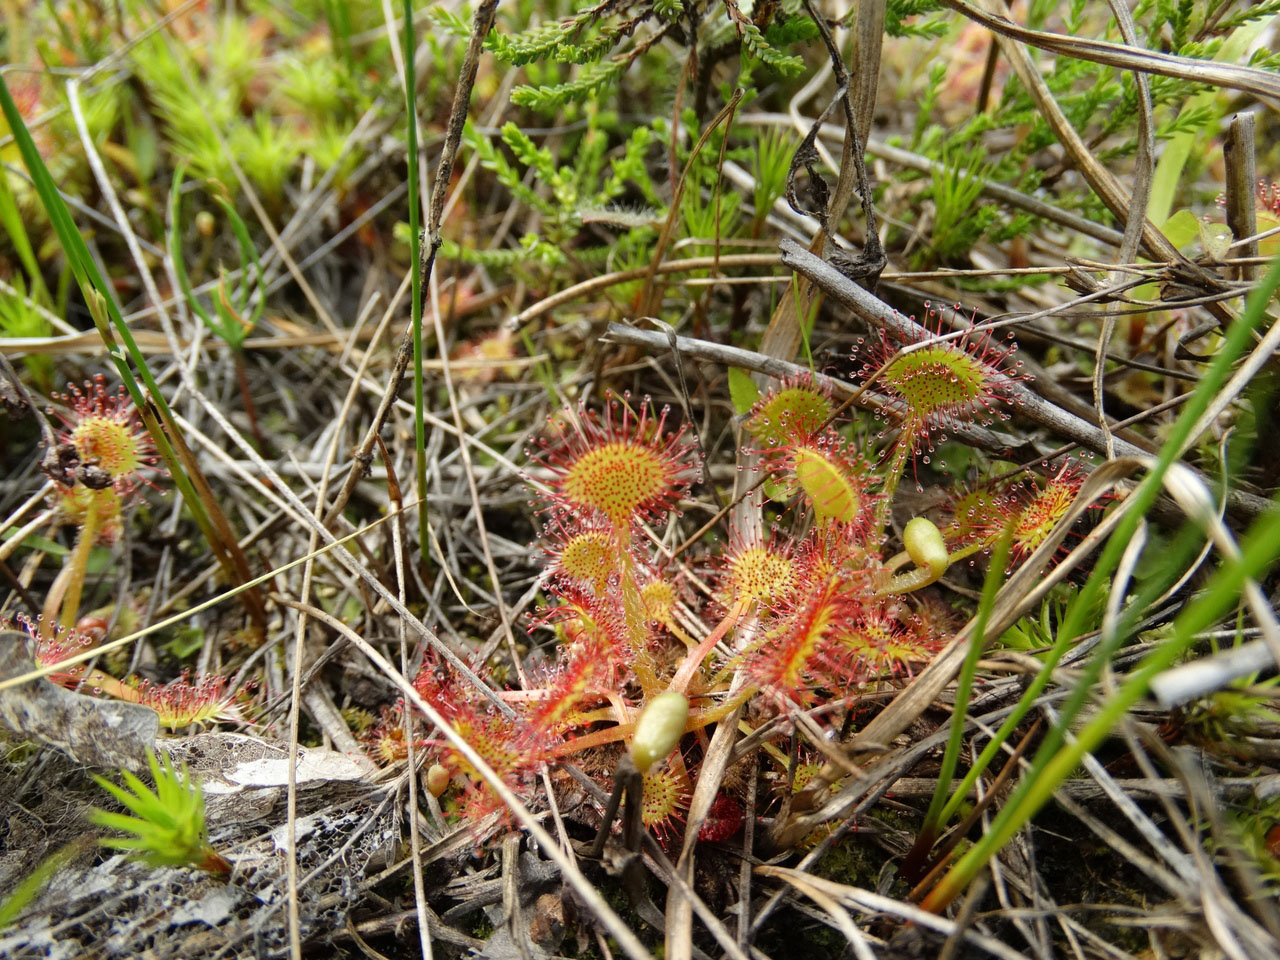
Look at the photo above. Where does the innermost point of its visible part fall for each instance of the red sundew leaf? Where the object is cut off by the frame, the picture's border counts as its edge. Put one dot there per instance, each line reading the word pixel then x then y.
pixel 106 432
pixel 1034 507
pixel 724 819
pixel 54 646
pixel 942 382
pixel 830 478
pixel 184 702
pixel 624 467
pixel 793 412
pixel 1044 510
pixel 793 640
pixel 385 742
pixel 979 515
pixel 502 741
pixel 563 690
pixel 582 551
pixel 762 571
pixel 877 644
pixel 594 624
pixel 665 797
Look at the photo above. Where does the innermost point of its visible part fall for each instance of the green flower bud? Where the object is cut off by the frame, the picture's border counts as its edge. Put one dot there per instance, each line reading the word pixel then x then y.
pixel 925 546
pixel 659 728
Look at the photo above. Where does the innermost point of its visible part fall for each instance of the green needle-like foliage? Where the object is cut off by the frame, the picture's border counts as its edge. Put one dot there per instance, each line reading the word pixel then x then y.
pixel 167 824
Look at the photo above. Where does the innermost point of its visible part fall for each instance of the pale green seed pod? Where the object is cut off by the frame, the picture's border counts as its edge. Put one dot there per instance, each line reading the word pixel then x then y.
pixel 925 546
pixel 659 728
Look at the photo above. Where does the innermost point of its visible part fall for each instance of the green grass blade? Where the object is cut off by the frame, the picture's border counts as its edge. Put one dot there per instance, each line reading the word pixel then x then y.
pixel 964 684
pixel 1055 761
pixel 11 219
pixel 100 298
pixel 175 251
pixel 248 258
pixel 29 888
pixel 415 293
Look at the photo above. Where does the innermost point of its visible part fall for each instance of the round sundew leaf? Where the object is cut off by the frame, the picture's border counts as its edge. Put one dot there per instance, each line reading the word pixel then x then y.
pixel 978 516
pixel 831 492
pixel 789 415
pixel 663 799
pixel 659 598
pixel 106 431
pixel 622 466
pixel 883 646
pixel 1042 515
pixel 589 557
pixel 758 573
pixel 113 445
pixel 932 384
pixel 937 380
pixel 616 479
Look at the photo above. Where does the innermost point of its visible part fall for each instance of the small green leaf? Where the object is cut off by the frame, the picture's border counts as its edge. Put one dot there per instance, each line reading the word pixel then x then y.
pixel 37 542
pixel 742 390
pixel 1181 228
pixel 1216 239
pixel 99 561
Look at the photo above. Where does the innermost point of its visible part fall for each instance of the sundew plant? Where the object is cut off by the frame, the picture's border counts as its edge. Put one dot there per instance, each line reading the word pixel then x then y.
pixel 824 608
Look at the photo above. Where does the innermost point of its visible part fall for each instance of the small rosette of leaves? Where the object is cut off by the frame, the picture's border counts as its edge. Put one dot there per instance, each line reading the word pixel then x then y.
pixel 493 735
pixel 167 824
pixel 1031 507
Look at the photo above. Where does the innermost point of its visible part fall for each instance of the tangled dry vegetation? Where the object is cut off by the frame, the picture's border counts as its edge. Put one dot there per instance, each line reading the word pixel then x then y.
pixel 524 516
